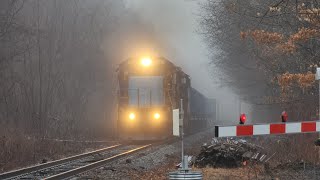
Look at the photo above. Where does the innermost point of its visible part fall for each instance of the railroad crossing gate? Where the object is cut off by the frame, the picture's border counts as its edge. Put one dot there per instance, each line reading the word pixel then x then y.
pixel 268 129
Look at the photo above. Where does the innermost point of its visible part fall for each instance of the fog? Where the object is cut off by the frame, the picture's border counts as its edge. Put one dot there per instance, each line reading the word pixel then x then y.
pixel 176 26
pixel 62 91
pixel 58 61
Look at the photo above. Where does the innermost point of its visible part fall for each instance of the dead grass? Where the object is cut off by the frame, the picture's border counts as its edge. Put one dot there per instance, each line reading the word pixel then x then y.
pixel 244 173
pixel 290 148
pixel 19 150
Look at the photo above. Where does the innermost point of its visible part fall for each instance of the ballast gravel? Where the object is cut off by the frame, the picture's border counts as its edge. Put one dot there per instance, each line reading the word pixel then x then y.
pixel 149 161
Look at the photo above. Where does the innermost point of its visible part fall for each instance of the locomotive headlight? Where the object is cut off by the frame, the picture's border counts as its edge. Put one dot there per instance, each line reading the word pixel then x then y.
pixel 132 116
pixel 146 61
pixel 156 115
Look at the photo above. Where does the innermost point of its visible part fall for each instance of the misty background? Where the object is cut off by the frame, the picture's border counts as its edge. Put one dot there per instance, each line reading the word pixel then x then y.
pixel 59 60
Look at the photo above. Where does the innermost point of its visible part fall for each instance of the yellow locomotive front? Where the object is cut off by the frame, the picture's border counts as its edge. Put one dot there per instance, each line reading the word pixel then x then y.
pixel 144 108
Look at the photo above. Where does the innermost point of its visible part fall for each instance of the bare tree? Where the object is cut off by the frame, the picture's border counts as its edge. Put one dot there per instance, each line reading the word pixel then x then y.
pixel 271 44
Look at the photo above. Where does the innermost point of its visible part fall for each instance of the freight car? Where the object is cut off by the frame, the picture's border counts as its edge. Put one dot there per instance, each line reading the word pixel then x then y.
pixel 202 111
pixel 149 89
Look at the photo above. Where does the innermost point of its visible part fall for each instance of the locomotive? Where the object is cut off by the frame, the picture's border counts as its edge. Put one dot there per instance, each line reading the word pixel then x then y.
pixel 149 90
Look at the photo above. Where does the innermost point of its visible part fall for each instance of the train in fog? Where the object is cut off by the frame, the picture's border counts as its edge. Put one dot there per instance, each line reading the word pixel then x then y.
pixel 149 90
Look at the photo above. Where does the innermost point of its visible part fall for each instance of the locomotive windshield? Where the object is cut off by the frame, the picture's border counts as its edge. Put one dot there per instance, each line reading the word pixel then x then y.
pixel 146 91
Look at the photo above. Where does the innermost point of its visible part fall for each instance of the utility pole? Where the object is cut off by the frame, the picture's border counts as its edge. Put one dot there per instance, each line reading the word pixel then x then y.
pixel 184 172
pixel 181 133
pixel 318 78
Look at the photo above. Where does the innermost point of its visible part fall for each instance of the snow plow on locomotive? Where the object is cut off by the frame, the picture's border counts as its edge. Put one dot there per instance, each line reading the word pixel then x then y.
pixel 149 90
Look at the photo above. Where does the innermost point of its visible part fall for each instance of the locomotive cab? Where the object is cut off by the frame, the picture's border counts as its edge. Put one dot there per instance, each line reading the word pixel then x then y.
pixel 148 91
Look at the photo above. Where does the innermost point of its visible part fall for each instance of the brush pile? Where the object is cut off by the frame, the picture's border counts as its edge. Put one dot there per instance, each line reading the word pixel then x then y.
pixel 228 153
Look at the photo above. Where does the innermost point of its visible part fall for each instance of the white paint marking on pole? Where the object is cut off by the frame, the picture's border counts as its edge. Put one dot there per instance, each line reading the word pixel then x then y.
pixel 261 129
pixel 293 127
pixel 318 126
pixel 227 131
pixel 318 74
pixel 175 120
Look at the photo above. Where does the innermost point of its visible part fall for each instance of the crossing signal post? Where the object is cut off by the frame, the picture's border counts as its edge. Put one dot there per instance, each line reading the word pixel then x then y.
pixel 183 163
pixel 184 172
pixel 317 76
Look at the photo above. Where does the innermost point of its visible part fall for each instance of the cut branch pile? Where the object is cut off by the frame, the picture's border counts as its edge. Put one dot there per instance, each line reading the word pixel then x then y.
pixel 228 154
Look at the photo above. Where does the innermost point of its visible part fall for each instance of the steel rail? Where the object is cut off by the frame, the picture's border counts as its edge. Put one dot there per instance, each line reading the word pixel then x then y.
pixel 26 170
pixel 79 170
pixel 85 168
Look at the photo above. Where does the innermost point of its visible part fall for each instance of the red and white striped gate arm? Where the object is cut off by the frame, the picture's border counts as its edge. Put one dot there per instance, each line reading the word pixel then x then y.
pixel 265 129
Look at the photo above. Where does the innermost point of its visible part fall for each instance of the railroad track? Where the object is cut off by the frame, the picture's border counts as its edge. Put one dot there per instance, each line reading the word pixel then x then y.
pixel 68 167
